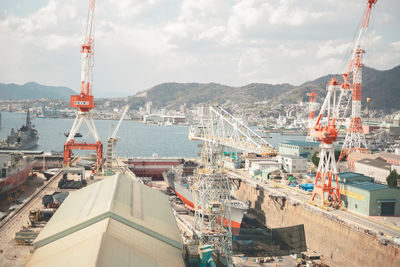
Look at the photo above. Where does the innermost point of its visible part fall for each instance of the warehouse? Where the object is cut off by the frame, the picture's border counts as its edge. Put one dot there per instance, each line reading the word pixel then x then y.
pixel 114 222
pixel 360 195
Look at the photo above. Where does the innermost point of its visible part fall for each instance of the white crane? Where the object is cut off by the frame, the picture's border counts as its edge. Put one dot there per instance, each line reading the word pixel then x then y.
pixel 111 143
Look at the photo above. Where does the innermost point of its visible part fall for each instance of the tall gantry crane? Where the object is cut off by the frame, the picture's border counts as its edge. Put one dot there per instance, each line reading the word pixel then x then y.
pixel 211 188
pixel 352 80
pixel 85 101
pixel 326 131
pixel 334 109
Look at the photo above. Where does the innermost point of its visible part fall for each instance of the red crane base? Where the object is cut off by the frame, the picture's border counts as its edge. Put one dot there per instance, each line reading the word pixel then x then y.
pixel 325 186
pixel 71 145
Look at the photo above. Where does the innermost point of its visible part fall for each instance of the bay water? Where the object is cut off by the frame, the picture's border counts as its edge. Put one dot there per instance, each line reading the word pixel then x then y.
pixel 136 139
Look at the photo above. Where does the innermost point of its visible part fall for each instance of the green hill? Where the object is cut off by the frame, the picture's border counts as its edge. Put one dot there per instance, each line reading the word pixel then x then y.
pixel 383 87
pixel 33 90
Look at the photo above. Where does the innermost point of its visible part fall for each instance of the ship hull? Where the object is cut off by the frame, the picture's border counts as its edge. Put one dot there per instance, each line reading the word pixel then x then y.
pixel 25 146
pixel 15 180
pixel 186 196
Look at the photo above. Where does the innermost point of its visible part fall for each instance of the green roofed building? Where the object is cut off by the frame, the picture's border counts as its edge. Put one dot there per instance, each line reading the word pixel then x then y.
pixel 359 194
pixel 298 148
pixel 114 222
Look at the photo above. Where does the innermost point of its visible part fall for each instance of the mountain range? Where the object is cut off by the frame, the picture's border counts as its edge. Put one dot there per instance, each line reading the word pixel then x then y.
pixel 383 87
pixel 33 90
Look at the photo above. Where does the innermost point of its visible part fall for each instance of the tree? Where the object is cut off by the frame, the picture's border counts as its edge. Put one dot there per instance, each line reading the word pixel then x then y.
pixel 315 159
pixel 392 178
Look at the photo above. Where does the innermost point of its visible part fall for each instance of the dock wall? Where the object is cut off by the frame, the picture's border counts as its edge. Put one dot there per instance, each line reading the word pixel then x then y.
pixel 341 243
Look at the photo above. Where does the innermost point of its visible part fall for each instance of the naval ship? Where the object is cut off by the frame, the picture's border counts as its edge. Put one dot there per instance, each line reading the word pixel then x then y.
pixel 23 139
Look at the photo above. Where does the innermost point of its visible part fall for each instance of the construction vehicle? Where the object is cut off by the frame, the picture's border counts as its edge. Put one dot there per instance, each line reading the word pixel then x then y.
pixel 39 217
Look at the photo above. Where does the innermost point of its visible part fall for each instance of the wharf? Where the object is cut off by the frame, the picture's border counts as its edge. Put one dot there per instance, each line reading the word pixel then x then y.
pixel 12 254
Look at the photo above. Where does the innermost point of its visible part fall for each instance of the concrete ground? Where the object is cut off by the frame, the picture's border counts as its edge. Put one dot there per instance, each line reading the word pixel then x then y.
pixel 15 255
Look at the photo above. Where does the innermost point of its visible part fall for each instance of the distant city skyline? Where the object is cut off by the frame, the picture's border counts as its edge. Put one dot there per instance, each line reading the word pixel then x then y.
pixel 141 43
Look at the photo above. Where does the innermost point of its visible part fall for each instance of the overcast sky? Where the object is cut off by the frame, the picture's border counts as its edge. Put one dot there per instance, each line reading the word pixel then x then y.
pixel 141 43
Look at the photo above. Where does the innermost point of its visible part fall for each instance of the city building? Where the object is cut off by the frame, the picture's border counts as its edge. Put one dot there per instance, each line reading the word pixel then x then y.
pixel 256 165
pixel 377 168
pixel 292 163
pixel 298 148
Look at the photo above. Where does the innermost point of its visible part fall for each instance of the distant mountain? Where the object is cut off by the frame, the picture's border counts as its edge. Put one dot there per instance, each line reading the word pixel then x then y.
pixel 33 90
pixel 175 94
pixel 383 87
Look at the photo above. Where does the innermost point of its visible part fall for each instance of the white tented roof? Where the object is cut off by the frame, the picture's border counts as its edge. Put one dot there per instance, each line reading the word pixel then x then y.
pixel 114 222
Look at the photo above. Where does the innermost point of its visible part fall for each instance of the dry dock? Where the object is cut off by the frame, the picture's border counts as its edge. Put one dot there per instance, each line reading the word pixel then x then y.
pixel 343 238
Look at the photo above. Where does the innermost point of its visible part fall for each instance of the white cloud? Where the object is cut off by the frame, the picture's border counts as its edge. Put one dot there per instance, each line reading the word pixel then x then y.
pixel 140 43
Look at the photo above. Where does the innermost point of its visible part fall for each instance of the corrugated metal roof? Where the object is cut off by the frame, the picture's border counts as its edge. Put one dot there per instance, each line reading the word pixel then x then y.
pixel 120 207
pixel 368 186
pixel 353 176
pixel 300 143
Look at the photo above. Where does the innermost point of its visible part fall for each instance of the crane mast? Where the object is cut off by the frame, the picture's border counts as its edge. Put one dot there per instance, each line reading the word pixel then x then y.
pixel 85 100
pixel 355 138
pixel 331 117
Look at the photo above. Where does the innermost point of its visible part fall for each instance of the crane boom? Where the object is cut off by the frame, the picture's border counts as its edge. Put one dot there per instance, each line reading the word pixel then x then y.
pixel 84 101
pixel 218 126
pixel 114 134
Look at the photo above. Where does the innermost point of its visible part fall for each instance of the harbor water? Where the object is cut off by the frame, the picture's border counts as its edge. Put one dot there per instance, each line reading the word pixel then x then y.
pixel 136 139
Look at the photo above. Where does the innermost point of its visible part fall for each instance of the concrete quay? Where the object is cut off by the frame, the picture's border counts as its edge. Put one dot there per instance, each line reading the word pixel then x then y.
pixel 343 238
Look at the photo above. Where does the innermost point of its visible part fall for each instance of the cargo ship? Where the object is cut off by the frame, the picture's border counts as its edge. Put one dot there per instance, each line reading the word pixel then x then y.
pixel 180 185
pixel 25 138
pixel 14 170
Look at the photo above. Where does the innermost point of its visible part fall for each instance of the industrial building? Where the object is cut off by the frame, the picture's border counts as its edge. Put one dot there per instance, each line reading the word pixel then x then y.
pixel 298 148
pixel 292 163
pixel 114 222
pixel 359 194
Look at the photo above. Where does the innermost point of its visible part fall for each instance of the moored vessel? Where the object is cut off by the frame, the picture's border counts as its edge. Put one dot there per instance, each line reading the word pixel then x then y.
pixel 25 138
pixel 180 185
pixel 14 170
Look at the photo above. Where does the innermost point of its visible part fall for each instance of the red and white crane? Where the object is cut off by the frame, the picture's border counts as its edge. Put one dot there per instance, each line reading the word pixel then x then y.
pixel 331 116
pixel 85 101
pixel 352 80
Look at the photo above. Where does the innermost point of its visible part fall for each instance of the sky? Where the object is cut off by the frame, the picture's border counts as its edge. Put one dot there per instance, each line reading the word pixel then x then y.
pixel 142 43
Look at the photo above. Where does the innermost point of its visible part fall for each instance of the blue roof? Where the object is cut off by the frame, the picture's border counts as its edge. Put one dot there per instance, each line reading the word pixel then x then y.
pixel 367 186
pixel 300 143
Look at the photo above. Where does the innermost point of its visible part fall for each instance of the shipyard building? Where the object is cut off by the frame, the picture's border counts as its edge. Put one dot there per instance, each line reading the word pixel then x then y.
pixel 360 194
pixel 114 222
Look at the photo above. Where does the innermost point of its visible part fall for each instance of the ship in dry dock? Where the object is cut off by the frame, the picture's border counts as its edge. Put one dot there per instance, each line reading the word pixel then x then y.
pixel 180 184
pixel 14 170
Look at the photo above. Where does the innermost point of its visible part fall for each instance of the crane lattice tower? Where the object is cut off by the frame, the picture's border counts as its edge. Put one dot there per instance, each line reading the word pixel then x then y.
pixel 85 100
